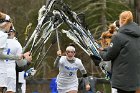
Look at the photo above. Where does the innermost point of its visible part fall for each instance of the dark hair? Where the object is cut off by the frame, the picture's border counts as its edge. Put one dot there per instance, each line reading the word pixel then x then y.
pixel 12 29
pixel 72 44
pixel 117 23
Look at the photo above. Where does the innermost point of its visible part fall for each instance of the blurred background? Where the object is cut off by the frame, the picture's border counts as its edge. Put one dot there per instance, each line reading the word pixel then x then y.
pixel 98 15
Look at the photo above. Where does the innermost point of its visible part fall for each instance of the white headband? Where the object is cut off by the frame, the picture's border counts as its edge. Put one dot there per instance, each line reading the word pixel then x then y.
pixel 7 17
pixel 70 48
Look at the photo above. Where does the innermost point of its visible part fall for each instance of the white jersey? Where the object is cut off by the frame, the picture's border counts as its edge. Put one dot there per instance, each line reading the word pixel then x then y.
pixel 67 77
pixel 3 73
pixel 23 81
pixel 13 48
pixel 3 44
pixel 3 39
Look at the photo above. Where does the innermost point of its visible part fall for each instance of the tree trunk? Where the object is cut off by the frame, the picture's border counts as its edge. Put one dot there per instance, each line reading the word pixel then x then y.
pixel 44 69
pixel 137 10
pixel 103 17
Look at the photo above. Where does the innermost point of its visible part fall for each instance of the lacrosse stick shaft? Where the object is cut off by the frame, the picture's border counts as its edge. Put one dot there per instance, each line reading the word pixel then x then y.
pixel 57 36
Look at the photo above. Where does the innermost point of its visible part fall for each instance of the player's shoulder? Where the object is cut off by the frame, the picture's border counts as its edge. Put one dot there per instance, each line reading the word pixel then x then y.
pixel 14 41
pixel 3 35
pixel 77 60
pixel 63 57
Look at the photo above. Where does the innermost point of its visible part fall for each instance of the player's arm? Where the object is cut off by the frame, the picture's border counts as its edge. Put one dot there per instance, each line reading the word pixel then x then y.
pixel 11 57
pixel 56 62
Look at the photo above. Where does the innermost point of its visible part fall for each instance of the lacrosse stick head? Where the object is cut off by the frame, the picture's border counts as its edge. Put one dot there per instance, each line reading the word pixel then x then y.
pixel 29 73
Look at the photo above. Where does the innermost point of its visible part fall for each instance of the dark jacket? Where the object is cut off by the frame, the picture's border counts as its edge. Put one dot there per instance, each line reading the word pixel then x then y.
pixel 124 53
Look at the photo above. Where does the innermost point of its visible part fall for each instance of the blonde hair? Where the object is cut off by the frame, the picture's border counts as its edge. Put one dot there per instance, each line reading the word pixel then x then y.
pixel 112 28
pixel 5 26
pixel 126 17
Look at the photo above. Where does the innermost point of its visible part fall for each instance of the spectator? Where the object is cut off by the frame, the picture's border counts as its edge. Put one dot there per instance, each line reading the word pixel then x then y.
pixel 124 53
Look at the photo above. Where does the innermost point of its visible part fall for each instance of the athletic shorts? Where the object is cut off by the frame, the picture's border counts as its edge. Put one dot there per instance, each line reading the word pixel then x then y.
pixel 67 90
pixel 3 79
pixel 11 84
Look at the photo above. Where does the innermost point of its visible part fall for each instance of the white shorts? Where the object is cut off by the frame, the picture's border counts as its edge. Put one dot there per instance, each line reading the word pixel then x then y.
pixel 11 84
pixel 3 79
pixel 23 87
pixel 67 90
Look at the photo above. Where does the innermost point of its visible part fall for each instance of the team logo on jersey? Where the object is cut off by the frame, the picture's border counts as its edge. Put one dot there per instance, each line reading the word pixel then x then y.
pixel 71 68
pixel 111 44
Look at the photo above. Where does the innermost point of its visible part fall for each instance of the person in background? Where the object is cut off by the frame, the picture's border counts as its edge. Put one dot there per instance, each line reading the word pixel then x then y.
pixel 22 81
pixel 106 36
pixel 14 48
pixel 105 42
pixel 124 53
pixel 67 81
